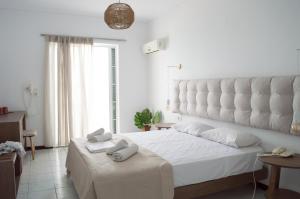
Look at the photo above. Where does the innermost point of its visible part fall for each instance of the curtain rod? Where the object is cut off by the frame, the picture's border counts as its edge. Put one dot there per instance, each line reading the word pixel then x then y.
pixel 100 38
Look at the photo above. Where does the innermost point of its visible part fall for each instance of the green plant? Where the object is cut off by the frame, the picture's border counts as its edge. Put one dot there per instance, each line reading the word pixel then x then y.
pixel 146 118
pixel 141 119
pixel 156 117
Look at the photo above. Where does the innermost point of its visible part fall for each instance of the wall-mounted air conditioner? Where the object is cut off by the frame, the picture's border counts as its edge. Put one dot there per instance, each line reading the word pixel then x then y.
pixel 153 46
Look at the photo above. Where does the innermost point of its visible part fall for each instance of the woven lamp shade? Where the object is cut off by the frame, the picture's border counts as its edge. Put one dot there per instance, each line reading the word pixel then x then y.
pixel 119 16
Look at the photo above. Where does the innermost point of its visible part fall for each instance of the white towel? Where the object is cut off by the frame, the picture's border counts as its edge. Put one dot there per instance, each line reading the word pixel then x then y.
pixel 99 147
pixel 92 135
pixel 101 138
pixel 126 153
pixel 118 146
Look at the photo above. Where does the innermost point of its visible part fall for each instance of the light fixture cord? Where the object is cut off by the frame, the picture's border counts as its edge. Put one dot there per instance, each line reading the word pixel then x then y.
pixel 168 83
pixel 254 179
pixel 298 60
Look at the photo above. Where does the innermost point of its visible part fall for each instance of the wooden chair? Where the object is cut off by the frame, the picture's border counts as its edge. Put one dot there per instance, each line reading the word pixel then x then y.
pixel 30 134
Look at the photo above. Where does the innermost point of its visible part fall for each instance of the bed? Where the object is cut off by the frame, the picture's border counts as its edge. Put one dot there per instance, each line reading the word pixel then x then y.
pixel 192 160
pixel 187 166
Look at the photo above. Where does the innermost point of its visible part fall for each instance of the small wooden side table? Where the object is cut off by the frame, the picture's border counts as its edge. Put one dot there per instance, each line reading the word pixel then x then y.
pixel 160 126
pixel 274 192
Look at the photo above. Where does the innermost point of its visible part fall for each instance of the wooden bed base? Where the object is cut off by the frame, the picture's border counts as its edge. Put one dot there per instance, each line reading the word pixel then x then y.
pixel 214 186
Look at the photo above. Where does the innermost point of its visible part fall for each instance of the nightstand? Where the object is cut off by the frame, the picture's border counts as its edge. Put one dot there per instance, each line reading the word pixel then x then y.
pixel 160 126
pixel 274 192
pixel 11 170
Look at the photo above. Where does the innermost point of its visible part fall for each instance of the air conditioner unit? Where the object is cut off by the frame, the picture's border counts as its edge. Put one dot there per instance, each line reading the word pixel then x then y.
pixel 153 46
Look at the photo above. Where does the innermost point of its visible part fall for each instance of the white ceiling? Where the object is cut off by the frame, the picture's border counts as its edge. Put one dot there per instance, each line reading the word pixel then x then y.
pixel 145 10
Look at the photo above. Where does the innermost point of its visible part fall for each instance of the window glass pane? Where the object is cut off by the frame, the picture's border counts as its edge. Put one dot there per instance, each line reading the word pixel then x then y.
pixel 113 57
pixel 113 75
pixel 114 124
pixel 114 91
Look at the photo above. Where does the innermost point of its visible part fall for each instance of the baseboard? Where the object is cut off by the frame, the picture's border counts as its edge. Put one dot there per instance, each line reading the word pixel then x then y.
pixel 38 148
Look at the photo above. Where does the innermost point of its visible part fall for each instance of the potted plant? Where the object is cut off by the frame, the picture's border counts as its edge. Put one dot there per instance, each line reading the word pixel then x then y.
pixel 144 120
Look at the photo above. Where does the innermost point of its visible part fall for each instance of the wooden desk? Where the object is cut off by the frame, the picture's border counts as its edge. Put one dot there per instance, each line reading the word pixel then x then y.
pixel 274 192
pixel 10 172
pixel 12 126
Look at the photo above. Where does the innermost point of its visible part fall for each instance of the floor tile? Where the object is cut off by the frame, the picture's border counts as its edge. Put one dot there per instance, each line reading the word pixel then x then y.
pixel 61 179
pixel 48 194
pixel 41 178
pixel 24 178
pixel 66 193
pixel 63 183
pixel 22 196
pixel 23 188
pixel 41 170
pixel 33 187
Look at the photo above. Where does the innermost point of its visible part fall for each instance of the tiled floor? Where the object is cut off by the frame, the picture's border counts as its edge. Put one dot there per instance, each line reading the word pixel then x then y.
pixel 45 178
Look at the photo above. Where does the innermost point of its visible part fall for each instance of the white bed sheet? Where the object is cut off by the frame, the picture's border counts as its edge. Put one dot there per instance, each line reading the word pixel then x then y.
pixel 195 159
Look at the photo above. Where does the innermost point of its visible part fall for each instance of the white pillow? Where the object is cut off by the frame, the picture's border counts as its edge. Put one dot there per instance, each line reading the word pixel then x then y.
pixel 230 137
pixel 193 128
pixel 180 126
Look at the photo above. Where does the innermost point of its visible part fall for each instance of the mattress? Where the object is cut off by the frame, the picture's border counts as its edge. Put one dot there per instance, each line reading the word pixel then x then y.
pixel 195 159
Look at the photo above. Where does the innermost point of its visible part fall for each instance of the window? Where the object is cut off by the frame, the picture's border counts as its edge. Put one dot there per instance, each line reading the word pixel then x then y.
pixel 103 95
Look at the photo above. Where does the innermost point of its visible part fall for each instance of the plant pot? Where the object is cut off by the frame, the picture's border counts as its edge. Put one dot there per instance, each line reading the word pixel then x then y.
pixel 147 128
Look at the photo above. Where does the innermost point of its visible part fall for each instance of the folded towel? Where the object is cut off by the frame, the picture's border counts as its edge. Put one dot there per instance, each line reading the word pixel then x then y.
pixel 99 147
pixel 124 154
pixel 118 146
pixel 101 138
pixel 92 135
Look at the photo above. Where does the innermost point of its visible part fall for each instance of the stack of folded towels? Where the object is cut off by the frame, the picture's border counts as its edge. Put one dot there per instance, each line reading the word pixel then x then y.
pixel 99 136
pixel 122 151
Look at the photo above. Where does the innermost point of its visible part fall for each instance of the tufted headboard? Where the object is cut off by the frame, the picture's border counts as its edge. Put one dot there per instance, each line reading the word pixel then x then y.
pixel 263 102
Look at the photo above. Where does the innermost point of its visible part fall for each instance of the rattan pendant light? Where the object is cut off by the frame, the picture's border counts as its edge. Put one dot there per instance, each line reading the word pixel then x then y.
pixel 119 16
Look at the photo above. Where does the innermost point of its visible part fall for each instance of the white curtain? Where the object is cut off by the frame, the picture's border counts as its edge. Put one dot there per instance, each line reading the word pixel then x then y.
pixel 65 107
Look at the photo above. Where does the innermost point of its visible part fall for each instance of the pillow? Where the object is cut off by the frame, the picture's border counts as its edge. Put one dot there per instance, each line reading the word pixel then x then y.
pixel 193 128
pixel 180 126
pixel 230 137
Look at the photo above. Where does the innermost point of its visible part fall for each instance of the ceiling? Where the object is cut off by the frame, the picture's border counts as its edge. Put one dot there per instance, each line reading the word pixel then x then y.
pixel 145 10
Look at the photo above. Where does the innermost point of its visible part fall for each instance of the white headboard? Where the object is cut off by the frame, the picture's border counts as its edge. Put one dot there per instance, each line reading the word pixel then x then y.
pixel 262 102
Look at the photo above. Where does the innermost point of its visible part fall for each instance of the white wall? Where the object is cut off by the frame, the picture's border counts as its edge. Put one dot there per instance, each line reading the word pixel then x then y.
pixel 22 57
pixel 230 38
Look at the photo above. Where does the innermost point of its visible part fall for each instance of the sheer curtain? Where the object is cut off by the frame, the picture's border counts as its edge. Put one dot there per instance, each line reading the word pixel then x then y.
pixel 65 107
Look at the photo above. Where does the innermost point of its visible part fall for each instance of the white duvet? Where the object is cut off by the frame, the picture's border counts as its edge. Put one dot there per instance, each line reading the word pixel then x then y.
pixel 195 159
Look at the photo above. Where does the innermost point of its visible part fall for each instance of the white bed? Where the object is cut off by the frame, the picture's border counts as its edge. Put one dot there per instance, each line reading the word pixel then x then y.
pixel 194 159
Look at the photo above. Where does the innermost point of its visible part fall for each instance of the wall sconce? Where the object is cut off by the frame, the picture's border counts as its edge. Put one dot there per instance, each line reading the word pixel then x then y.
pixel 178 67
pixel 31 90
